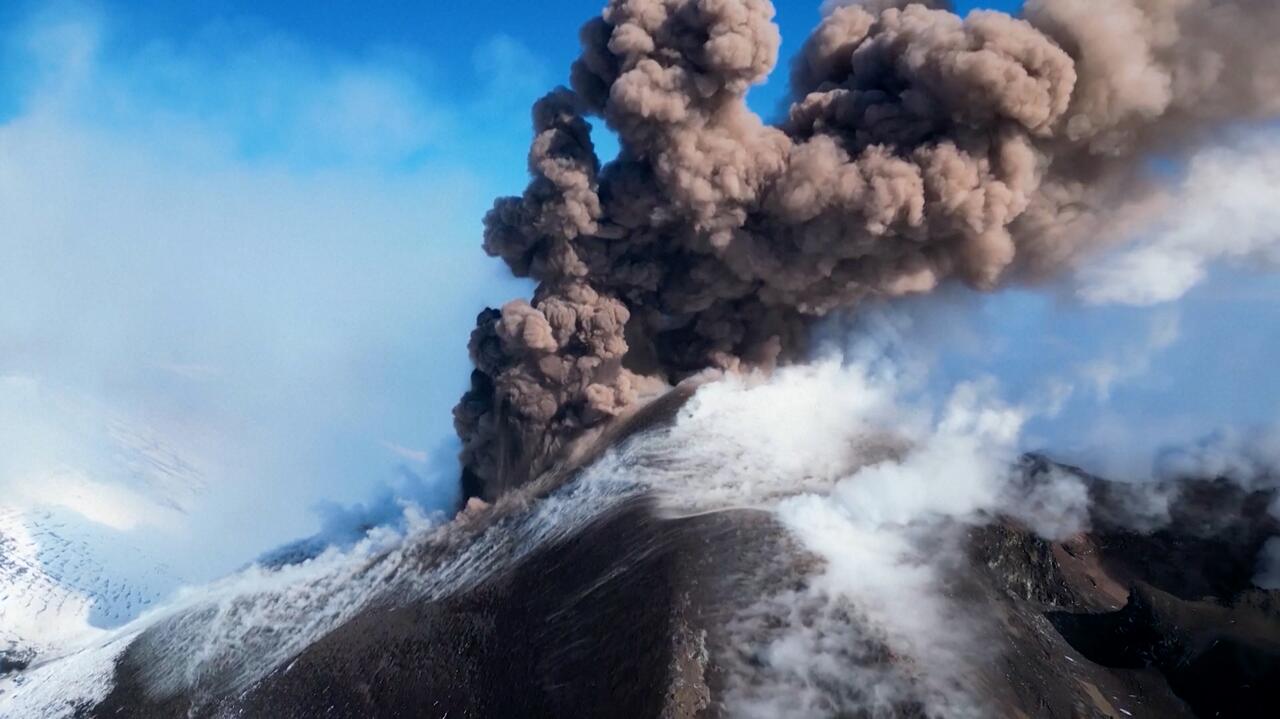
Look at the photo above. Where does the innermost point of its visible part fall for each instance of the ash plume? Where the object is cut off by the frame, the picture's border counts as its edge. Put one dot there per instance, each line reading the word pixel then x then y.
pixel 919 148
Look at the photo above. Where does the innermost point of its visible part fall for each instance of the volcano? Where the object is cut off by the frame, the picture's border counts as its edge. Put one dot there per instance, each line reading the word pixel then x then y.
pixel 697 483
pixel 584 595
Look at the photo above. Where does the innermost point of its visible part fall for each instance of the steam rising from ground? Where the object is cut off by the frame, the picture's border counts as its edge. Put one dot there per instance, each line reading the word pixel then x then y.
pixel 919 148
pixel 877 478
pixel 870 477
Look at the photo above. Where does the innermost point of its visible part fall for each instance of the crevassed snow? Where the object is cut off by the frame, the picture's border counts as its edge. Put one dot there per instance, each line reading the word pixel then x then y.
pixel 61 578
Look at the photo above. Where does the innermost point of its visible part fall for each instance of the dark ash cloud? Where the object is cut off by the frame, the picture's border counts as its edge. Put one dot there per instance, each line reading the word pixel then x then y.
pixel 920 148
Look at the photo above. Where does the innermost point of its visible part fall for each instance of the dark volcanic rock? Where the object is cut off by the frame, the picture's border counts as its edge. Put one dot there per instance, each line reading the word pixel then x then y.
pixel 1171 610
pixel 577 627
pixel 15 660
pixel 1222 659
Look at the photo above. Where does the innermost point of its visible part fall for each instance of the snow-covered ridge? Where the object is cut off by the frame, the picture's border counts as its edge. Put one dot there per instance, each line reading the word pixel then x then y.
pixel 62 579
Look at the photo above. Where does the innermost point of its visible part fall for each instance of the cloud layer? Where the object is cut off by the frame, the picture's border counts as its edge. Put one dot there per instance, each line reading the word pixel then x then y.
pixel 254 252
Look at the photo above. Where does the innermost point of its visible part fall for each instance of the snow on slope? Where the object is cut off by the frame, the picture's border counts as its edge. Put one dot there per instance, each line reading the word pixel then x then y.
pixel 66 583
pixel 36 611
pixel 66 685
pixel 63 581
pixel 83 489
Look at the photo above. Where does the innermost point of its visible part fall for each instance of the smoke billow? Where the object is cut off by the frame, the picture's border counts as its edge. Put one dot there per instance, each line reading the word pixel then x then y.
pixel 919 148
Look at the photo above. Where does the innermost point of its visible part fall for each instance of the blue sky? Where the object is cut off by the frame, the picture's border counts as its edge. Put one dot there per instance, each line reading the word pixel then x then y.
pixel 250 232
pixel 441 49
pixel 449 36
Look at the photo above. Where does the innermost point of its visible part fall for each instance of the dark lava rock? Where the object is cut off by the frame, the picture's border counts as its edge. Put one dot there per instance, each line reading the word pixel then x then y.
pixel 15 660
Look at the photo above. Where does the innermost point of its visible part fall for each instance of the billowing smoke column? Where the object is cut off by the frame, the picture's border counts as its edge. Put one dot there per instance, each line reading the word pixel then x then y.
pixel 919 147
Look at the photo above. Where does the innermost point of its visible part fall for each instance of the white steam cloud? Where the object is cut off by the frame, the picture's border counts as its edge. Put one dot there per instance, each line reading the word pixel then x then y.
pixel 1224 210
pixel 1249 457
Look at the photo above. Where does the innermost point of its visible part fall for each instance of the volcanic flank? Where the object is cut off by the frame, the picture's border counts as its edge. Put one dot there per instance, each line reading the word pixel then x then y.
pixel 587 592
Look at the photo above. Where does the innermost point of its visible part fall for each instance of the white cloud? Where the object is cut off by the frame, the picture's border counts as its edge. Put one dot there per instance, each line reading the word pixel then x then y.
pixel 1245 456
pixel 60 450
pixel 873 473
pixel 264 252
pixel 413 455
pixel 1225 210
pixel 110 505
pixel 240 88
